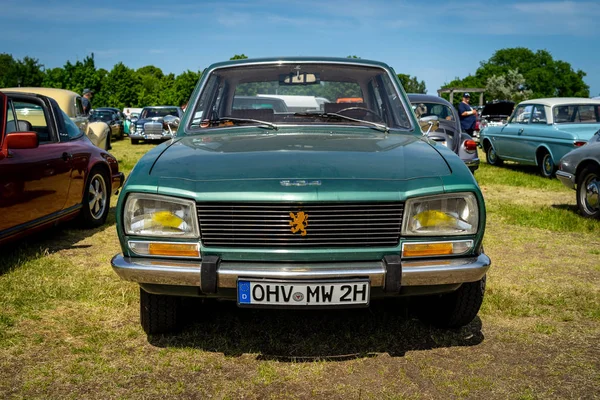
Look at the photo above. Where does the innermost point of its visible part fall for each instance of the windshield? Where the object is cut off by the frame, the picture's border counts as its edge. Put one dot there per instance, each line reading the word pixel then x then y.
pixel 158 112
pixel 101 116
pixel 428 109
pixel 299 94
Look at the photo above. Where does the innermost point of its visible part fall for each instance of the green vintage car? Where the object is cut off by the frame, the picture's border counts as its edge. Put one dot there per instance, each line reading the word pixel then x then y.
pixel 328 206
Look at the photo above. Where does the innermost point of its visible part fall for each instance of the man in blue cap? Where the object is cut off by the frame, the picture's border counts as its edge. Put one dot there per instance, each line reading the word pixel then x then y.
pixel 86 100
pixel 468 116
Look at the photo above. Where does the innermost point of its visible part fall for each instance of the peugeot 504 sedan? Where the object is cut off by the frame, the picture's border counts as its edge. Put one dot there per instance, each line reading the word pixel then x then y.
pixel 313 209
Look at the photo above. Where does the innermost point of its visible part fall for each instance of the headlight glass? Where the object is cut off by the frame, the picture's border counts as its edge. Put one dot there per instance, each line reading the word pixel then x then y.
pixel 155 215
pixel 441 215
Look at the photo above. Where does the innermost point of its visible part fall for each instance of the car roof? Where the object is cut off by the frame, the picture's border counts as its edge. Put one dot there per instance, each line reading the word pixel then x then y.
pixel 427 98
pixel 64 98
pixel 270 60
pixel 552 101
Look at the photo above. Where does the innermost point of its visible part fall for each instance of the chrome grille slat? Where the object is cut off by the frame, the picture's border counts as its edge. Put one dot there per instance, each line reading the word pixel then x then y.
pixel 267 225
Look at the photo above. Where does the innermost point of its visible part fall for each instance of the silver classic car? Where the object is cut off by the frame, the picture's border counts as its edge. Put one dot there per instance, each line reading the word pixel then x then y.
pixel 447 130
pixel 541 131
pixel 580 170
pixel 154 124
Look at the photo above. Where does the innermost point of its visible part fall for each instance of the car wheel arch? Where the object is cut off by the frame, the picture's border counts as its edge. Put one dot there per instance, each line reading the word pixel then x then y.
pixel 487 144
pixel 541 150
pixel 585 164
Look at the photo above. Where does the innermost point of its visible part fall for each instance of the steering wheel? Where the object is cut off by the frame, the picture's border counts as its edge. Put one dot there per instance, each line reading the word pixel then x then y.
pixel 368 110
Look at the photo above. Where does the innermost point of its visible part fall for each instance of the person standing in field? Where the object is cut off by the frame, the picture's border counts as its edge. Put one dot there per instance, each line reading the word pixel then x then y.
pixel 468 116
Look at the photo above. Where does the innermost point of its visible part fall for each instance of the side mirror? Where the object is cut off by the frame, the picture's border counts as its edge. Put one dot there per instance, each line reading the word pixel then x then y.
pixel 22 140
pixel 428 124
pixel 172 121
pixel 19 140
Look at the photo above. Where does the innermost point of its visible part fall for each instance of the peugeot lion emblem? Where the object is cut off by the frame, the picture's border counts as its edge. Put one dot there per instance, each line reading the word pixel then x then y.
pixel 299 222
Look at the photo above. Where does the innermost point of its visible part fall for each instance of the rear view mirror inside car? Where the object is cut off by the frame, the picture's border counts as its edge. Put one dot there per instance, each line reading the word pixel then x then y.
pixel 298 78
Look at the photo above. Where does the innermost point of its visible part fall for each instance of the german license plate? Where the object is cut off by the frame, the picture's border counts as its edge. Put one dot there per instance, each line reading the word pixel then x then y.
pixel 276 293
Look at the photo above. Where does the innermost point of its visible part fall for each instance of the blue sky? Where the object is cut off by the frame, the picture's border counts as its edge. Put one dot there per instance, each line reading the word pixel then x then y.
pixel 434 40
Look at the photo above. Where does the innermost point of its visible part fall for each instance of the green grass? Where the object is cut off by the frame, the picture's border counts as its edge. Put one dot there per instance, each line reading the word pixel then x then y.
pixel 69 327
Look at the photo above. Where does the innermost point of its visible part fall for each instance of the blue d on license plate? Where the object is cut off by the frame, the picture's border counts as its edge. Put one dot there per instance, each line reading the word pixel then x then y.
pixel 274 293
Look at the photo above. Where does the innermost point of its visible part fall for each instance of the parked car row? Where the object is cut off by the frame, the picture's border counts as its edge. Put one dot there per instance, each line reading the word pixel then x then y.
pixel 552 133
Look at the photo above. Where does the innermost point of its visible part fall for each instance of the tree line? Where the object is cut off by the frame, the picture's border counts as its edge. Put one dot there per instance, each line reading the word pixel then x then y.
pixel 519 73
pixel 510 74
pixel 120 87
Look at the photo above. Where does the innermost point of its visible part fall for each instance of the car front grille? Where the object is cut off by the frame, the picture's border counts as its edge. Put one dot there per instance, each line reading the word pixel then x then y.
pixel 153 128
pixel 270 225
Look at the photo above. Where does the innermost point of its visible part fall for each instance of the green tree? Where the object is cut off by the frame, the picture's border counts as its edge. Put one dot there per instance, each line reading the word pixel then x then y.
pixel 120 88
pixel 150 86
pixel 510 86
pixel 543 75
pixel 8 71
pixel 239 57
pixel 411 84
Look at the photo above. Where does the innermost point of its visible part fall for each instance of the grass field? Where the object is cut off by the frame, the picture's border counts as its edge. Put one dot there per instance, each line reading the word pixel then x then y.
pixel 69 327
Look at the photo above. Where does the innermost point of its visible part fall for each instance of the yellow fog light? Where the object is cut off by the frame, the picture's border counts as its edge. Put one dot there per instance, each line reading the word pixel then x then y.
pixel 165 249
pixel 431 249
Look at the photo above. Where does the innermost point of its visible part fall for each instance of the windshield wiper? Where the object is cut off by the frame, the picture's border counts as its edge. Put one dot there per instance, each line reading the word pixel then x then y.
pixel 380 127
pixel 262 124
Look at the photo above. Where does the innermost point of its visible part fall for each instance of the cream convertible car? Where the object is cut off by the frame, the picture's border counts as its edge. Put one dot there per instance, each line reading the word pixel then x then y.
pixel 70 103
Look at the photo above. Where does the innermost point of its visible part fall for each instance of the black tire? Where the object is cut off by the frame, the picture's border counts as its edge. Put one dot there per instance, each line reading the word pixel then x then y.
pixel 491 156
pixel 158 313
pixel 588 185
pixel 453 310
pixel 135 141
pixel 546 164
pixel 96 198
pixel 108 146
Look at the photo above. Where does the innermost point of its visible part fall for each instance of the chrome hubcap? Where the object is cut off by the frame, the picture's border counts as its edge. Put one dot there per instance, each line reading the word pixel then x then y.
pixel 97 196
pixel 548 165
pixel 592 194
pixel 492 155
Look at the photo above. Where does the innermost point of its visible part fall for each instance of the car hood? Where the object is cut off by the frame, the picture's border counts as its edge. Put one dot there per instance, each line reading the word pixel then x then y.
pixel 300 156
pixel 500 109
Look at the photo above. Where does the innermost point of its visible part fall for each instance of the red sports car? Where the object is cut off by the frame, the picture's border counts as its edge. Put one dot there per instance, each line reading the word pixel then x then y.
pixel 49 170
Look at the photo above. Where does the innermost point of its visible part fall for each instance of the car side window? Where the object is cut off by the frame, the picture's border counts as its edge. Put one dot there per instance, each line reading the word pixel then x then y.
pixel 539 115
pixel 79 106
pixel 585 114
pixel 72 130
pixel 522 114
pixel 32 117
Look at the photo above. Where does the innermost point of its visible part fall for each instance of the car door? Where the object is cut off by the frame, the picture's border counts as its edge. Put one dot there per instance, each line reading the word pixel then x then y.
pixel 34 183
pixel 537 132
pixel 508 142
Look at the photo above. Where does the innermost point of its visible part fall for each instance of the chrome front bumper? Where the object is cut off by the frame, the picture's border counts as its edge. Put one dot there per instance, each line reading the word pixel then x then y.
pixel 188 273
pixel 566 178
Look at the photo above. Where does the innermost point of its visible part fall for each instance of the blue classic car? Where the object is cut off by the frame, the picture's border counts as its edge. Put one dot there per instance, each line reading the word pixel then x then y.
pixel 323 207
pixel 153 124
pixel 541 131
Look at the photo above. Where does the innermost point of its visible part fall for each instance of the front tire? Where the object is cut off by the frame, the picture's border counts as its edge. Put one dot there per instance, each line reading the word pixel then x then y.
pixel 158 313
pixel 96 199
pixel 135 141
pixel 588 186
pixel 456 309
pixel 492 156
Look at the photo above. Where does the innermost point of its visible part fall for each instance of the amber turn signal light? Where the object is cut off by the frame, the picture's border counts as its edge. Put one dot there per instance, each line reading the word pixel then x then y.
pixel 427 249
pixel 173 249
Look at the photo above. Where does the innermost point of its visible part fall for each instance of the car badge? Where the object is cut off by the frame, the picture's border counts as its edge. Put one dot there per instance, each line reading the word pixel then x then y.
pixel 299 182
pixel 299 222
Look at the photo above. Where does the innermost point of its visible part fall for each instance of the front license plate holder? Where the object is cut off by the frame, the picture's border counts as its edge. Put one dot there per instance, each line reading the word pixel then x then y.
pixel 267 293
